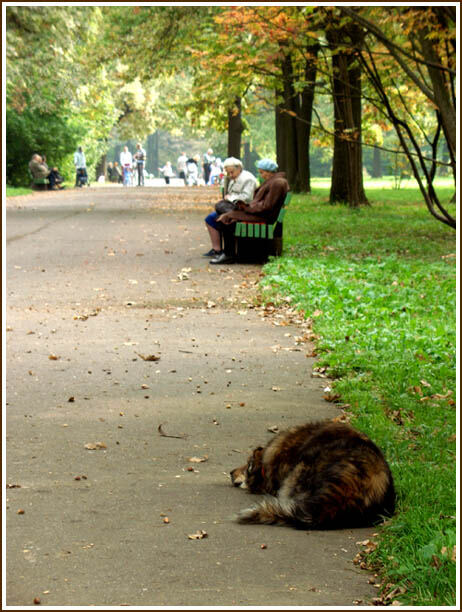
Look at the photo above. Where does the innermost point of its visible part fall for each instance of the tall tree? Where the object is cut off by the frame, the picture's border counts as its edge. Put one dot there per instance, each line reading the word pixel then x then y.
pixel 347 170
pixel 421 41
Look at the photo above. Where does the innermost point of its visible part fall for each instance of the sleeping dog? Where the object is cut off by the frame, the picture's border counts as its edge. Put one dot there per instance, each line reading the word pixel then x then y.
pixel 322 475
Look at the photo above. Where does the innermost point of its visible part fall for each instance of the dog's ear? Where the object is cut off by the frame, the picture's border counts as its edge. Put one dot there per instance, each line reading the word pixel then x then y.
pixel 255 461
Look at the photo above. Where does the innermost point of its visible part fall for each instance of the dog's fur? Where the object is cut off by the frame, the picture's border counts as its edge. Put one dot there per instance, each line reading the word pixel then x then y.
pixel 321 475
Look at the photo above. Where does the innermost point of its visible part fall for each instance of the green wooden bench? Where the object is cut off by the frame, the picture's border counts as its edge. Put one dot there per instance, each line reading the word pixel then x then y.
pixel 39 183
pixel 260 239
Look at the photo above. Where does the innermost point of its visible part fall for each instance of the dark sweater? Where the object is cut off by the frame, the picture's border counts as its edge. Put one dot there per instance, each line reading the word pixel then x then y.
pixel 266 204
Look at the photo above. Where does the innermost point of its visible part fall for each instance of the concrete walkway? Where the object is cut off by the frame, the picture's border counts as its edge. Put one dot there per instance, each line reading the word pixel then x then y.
pixel 117 325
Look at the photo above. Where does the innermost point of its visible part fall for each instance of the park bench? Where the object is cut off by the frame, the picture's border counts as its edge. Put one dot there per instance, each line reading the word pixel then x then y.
pixel 39 183
pixel 259 240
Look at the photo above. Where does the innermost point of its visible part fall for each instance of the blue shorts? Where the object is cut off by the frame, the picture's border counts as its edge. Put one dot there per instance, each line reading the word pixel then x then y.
pixel 212 220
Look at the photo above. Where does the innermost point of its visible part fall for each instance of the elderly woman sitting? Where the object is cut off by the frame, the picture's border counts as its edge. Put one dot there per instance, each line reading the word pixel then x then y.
pixel 263 208
pixel 239 187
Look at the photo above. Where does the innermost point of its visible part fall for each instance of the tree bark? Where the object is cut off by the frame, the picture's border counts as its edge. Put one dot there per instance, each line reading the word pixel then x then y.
pixel 152 153
pixel 293 122
pixel 347 172
pixel 235 129
pixel 101 167
pixel 377 163
pixel 281 149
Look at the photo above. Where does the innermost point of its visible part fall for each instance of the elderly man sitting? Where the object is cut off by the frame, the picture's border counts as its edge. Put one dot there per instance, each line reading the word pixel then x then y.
pixel 40 170
pixel 264 207
pixel 239 188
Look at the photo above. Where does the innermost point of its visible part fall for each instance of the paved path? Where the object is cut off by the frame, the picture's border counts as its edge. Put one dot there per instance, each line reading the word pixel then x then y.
pixel 97 279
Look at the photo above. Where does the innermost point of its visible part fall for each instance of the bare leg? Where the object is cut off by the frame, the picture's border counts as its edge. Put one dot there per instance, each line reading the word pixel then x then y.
pixel 215 237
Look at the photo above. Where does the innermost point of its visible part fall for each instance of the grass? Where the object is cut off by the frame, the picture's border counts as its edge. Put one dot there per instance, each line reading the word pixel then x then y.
pixel 17 191
pixel 380 286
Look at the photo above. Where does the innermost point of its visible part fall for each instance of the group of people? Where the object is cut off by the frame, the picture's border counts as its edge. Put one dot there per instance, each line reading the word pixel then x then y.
pixel 244 201
pixel 193 172
pixel 131 167
pixel 39 170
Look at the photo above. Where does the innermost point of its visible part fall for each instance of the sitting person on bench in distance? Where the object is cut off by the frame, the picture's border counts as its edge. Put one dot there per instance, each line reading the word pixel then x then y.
pixel 264 208
pixel 239 187
pixel 40 170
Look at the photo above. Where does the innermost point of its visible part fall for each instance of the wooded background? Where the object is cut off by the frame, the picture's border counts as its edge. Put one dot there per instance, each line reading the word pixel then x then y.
pixel 328 91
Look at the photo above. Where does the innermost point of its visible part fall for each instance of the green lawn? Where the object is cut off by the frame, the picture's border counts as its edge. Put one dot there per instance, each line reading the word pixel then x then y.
pixel 17 191
pixel 380 286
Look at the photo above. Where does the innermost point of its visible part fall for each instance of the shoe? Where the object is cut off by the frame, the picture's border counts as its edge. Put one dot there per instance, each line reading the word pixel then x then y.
pixel 222 259
pixel 212 253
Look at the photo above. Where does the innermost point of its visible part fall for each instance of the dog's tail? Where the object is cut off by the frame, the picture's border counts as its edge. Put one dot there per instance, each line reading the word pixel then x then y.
pixel 273 511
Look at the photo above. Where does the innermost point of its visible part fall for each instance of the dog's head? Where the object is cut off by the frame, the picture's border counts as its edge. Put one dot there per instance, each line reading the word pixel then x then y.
pixel 250 475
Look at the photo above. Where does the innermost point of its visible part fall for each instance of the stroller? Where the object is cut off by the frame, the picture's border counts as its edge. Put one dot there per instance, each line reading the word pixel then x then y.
pixel 82 178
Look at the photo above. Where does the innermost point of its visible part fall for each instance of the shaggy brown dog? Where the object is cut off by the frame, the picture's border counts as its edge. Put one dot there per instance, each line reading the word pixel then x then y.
pixel 318 476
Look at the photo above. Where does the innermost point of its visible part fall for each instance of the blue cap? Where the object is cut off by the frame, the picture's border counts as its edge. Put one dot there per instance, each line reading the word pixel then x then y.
pixel 267 164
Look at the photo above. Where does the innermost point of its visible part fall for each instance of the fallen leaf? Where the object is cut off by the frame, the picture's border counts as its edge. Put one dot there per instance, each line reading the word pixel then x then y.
pixel 162 433
pixel 199 535
pixel 148 357
pixel 53 357
pixel 198 459
pixel 95 445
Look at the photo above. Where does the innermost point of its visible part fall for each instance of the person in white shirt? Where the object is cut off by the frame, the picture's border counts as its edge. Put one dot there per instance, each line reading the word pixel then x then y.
pixel 181 166
pixel 126 161
pixel 207 165
pixel 140 157
pixel 239 186
pixel 167 172
pixel 80 164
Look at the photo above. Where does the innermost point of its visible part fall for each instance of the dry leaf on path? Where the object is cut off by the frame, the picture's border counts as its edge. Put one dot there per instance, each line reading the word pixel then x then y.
pixel 162 433
pixel 95 446
pixel 148 357
pixel 199 535
pixel 198 459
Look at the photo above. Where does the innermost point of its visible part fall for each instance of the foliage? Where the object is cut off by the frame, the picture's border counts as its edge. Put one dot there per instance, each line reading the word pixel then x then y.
pixel 32 132
pixel 53 101
pixel 44 46
pixel 380 287
pixel 17 191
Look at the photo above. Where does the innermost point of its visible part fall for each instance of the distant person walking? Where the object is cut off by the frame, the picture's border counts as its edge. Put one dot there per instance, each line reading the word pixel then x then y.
pixel 140 159
pixel 181 166
pixel 80 163
pixel 192 171
pixel 167 172
pixel 207 165
pixel 126 161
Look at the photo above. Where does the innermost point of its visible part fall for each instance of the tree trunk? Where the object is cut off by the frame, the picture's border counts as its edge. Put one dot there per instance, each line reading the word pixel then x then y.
pixel 101 167
pixel 281 149
pixel 305 120
pixel 235 129
pixel 442 90
pixel 293 122
pixel 250 158
pixel 377 163
pixel 347 172
pixel 290 133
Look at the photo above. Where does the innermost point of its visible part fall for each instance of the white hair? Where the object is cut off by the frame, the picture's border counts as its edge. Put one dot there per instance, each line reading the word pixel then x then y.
pixel 232 161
